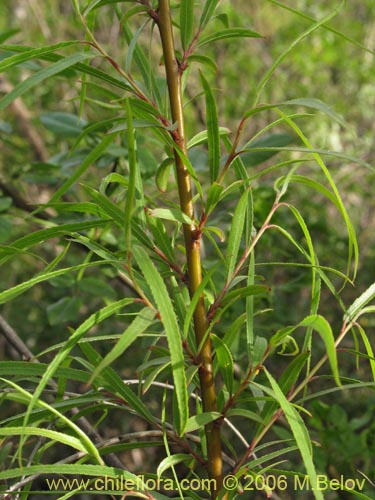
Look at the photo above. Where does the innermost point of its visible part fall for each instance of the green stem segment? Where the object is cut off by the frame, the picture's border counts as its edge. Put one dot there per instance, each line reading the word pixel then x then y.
pixel 192 245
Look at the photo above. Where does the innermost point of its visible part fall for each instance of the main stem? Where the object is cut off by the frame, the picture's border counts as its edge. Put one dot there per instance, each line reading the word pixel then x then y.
pixel 193 249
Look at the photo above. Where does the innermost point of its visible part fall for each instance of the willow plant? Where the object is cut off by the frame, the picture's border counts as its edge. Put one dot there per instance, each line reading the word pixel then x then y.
pixel 200 311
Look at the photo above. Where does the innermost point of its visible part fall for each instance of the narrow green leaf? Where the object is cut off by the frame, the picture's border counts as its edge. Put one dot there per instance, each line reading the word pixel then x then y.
pixel 299 431
pixel 208 11
pixel 369 349
pixel 28 370
pixel 70 469
pixel 36 431
pixel 172 460
pixel 43 74
pixel 242 412
pixel 82 67
pixel 213 197
pixel 254 157
pixel 319 105
pixel 142 321
pixel 108 207
pixel 45 234
pixel 360 303
pixel 228 33
pixel 13 292
pixel 321 325
pixel 132 161
pixel 213 135
pixel 287 51
pixel 85 440
pixel 353 244
pixel 143 64
pixel 186 22
pixel 194 300
pixel 169 320
pixel 205 60
pixel 201 420
pixel 236 233
pixel 225 362
pixel 288 379
pixel 202 137
pixel 30 54
pixel 246 291
pixel 173 214
pixel 163 173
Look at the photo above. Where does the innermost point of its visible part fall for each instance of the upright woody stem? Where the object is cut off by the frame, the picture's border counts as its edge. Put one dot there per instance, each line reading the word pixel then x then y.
pixel 192 245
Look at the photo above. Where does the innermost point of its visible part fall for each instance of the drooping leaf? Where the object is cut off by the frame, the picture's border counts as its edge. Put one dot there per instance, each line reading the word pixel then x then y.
pixel 47 433
pixel 360 303
pixel 251 158
pixel 299 431
pixel 172 330
pixel 173 214
pixel 213 135
pixel 172 460
pixel 163 173
pixel 208 10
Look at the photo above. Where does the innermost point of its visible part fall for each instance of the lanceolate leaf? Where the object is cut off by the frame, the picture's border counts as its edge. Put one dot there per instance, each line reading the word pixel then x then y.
pixel 236 233
pixel 225 361
pixel 43 74
pixel 53 435
pixel 299 431
pixel 201 420
pixel 228 33
pixel 360 303
pixel 321 325
pixel 208 10
pixel 82 67
pixel 172 330
pixel 172 460
pixel 212 131
pixel 30 54
pixel 186 22
pixel 173 214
